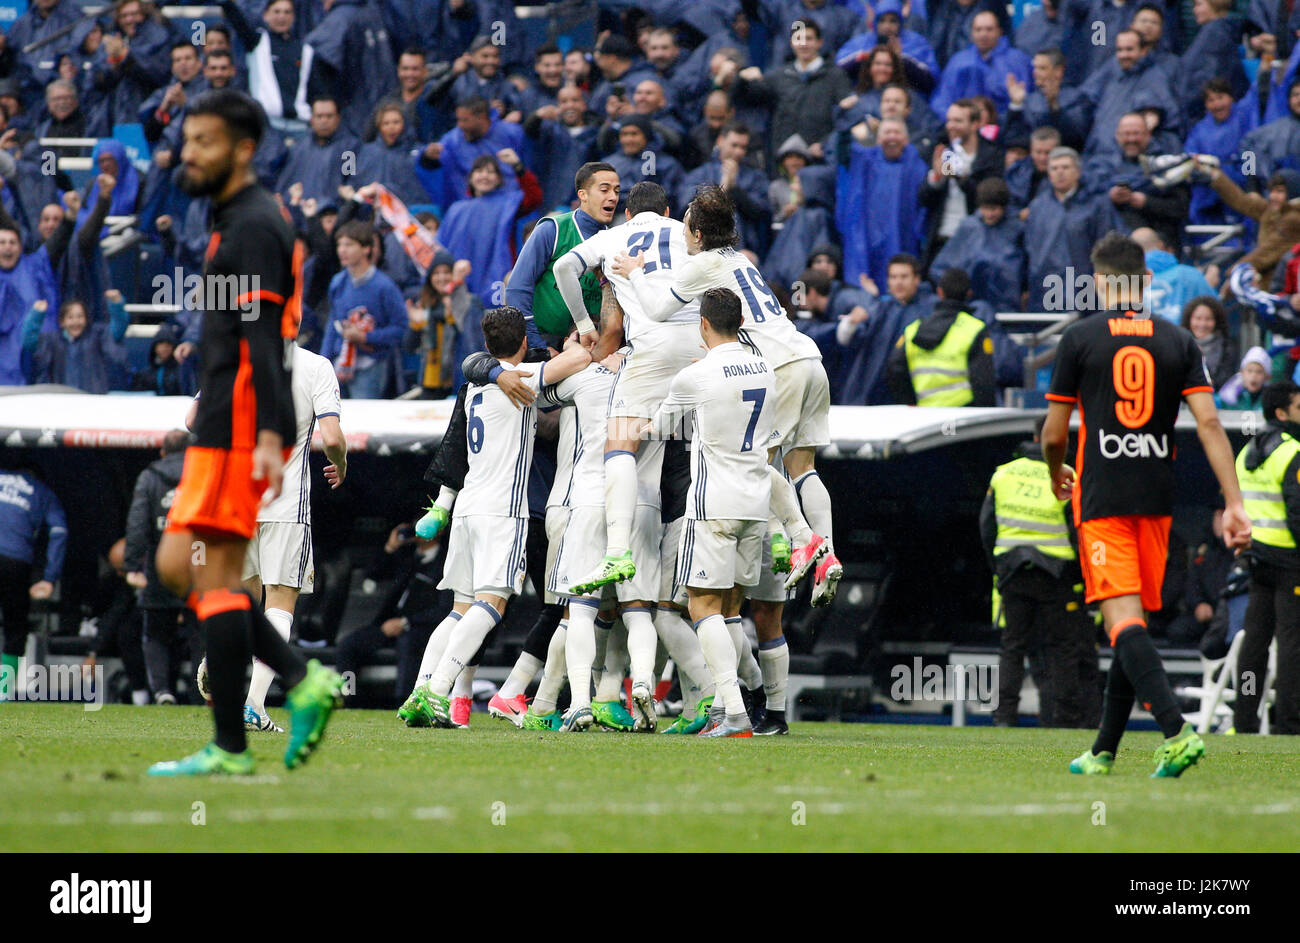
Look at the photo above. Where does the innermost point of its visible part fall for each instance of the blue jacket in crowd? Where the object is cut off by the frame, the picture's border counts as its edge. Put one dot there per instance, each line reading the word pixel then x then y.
pixel 27 506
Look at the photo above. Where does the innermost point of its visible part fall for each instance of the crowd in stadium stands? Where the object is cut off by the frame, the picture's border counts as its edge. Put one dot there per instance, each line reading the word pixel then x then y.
pixel 868 148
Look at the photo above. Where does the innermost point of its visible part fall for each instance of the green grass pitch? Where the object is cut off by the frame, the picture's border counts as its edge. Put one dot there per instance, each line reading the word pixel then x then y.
pixel 72 780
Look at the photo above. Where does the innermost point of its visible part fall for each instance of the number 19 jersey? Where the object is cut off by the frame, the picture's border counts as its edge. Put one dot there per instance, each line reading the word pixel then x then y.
pixel 766 326
pixel 1128 376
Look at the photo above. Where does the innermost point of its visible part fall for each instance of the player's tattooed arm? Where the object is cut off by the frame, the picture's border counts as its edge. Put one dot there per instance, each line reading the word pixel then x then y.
pixel 611 324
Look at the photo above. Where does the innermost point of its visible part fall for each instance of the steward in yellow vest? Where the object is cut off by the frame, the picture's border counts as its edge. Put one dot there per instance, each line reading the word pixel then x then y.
pixel 1030 542
pixel 945 359
pixel 1268 469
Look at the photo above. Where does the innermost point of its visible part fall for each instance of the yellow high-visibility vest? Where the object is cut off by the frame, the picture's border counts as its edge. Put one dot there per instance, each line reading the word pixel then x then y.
pixel 941 376
pixel 1028 514
pixel 1261 492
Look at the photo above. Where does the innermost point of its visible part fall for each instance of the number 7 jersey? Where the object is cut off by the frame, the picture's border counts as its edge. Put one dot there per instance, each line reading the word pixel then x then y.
pixel 1128 377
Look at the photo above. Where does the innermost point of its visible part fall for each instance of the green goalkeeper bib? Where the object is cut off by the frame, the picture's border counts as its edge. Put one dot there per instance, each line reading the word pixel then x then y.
pixel 550 313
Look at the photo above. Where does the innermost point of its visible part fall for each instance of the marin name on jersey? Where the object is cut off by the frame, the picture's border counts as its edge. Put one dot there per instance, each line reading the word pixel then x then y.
pixel 744 369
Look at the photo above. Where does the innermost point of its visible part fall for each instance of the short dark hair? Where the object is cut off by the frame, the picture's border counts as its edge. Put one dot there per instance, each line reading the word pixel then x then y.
pixel 721 308
pixel 219 54
pixel 175 441
pixel 475 106
pixel 356 230
pixel 647 197
pixel 905 258
pixel 954 285
pixel 413 51
pixel 69 304
pixel 326 98
pixel 484 160
pixel 713 215
pixel 1154 8
pixel 183 44
pixel 503 330
pixel 582 179
pixel 1055 56
pixel 1217 86
pixel 241 115
pixel 816 280
pixel 1117 254
pixel 736 127
pixel 546 49
pixel 1278 396
pixel 809 25
pixel 992 191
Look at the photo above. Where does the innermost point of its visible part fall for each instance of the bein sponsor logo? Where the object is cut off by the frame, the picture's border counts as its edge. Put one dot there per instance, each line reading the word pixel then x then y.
pixel 1132 445
pixel 73 683
pixel 77 896
pixel 945 683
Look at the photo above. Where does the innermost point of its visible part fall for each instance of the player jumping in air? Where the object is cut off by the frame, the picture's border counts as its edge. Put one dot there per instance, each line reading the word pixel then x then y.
pixel 244 425
pixel 1128 373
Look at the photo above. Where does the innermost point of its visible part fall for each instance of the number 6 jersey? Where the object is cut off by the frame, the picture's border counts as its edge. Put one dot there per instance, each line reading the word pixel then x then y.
pixel 1128 376
pixel 500 439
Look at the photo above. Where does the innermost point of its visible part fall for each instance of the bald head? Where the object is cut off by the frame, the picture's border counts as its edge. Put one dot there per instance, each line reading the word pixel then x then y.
pixel 1147 239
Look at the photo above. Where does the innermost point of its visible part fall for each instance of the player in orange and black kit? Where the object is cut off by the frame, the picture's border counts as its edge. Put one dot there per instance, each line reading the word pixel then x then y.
pixel 1129 373
pixel 244 428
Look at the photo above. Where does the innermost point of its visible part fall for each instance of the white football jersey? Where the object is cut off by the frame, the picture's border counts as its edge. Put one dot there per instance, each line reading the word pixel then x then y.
pixel 315 389
pixel 661 240
pixel 588 391
pixel 500 439
pixel 564 449
pixel 731 395
pixel 766 324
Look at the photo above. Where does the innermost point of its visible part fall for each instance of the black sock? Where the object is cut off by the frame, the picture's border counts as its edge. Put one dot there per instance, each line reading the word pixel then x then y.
pixel 271 647
pixel 1137 653
pixel 539 636
pixel 226 621
pixel 1116 707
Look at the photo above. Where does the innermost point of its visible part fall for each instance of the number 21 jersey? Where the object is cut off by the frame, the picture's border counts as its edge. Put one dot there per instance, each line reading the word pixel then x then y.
pixel 1128 376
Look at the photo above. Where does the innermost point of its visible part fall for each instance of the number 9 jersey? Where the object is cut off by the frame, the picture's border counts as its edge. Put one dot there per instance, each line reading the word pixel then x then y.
pixel 1128 375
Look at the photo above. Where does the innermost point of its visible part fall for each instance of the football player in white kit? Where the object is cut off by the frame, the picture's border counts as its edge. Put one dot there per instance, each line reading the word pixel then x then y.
pixel 486 547
pixel 729 394
pixel 801 409
pixel 279 557
pixel 659 349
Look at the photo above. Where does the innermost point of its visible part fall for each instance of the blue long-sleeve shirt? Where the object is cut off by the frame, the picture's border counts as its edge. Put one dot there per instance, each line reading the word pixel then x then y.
pixel 26 506
pixel 534 259
pixel 374 294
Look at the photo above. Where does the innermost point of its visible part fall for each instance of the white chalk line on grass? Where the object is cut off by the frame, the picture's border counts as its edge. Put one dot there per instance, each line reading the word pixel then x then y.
pixel 150 817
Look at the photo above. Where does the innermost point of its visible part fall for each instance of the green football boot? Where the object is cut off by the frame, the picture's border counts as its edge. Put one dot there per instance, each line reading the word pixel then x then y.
pixel 1089 765
pixel 311 702
pixel 432 524
pixel 611 570
pixel 1178 753
pixel 780 553
pixel 551 721
pixel 210 761
pixel 416 712
pixel 679 725
pixel 612 715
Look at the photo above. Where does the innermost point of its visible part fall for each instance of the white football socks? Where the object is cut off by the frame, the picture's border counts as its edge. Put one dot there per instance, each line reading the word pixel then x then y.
pixel 521 675
pixel 720 653
pixel 467 635
pixel 434 648
pixel 641 644
pixel 774 657
pixel 684 648
pixel 751 676
pixel 816 501
pixel 548 692
pixel 620 500
pixel 611 678
pixel 464 686
pixel 580 651
pixel 282 622
pixel 785 507
pixel 446 498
